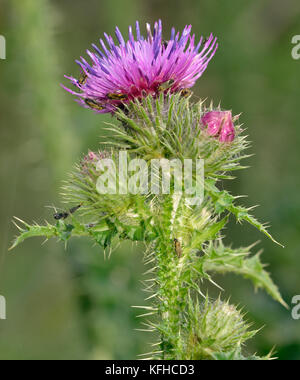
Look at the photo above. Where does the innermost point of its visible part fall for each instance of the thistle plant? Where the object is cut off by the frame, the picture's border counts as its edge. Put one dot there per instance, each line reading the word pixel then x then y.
pixel 145 84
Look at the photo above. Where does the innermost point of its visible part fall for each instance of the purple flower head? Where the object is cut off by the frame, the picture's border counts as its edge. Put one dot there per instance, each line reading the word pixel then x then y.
pixel 120 72
pixel 219 124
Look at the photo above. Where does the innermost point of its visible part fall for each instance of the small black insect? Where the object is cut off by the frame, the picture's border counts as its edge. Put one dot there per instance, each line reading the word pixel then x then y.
pixel 74 209
pixel 61 215
pixel 64 215
pixel 91 225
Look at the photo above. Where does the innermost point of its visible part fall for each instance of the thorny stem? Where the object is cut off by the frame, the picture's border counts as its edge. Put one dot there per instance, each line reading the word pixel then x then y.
pixel 171 295
pixel 170 306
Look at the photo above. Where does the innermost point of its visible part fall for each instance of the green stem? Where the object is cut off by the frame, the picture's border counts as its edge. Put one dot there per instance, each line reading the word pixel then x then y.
pixel 168 294
pixel 171 293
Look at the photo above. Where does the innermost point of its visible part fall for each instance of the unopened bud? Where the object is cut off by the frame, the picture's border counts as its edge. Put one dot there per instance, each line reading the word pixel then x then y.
pixel 219 124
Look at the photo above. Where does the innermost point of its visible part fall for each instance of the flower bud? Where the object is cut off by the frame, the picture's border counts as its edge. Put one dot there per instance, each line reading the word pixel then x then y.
pixel 91 159
pixel 219 124
pixel 215 327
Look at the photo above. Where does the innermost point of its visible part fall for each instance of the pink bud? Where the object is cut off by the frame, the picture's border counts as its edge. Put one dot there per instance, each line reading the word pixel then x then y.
pixel 91 159
pixel 92 156
pixel 219 124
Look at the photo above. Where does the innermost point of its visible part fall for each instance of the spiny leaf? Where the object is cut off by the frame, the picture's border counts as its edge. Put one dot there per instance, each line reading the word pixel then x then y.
pixel 222 259
pixel 241 214
pixel 102 232
pixel 225 201
pixel 28 231
pixel 209 233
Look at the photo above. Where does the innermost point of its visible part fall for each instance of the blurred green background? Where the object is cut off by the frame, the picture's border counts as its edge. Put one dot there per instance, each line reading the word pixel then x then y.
pixel 72 304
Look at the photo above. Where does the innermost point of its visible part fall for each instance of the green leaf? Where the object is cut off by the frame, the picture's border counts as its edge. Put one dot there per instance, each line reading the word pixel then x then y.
pixel 27 231
pixel 209 233
pixel 221 259
pixel 242 213
pixel 136 233
pixel 64 231
pixel 223 200
pixel 104 238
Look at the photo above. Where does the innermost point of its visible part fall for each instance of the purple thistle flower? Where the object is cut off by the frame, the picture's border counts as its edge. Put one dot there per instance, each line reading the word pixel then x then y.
pixel 219 124
pixel 140 67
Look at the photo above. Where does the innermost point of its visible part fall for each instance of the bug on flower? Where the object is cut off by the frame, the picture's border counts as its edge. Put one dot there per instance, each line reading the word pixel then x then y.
pixel 82 79
pixel 93 104
pixel 116 96
pixel 178 248
pixel 186 92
